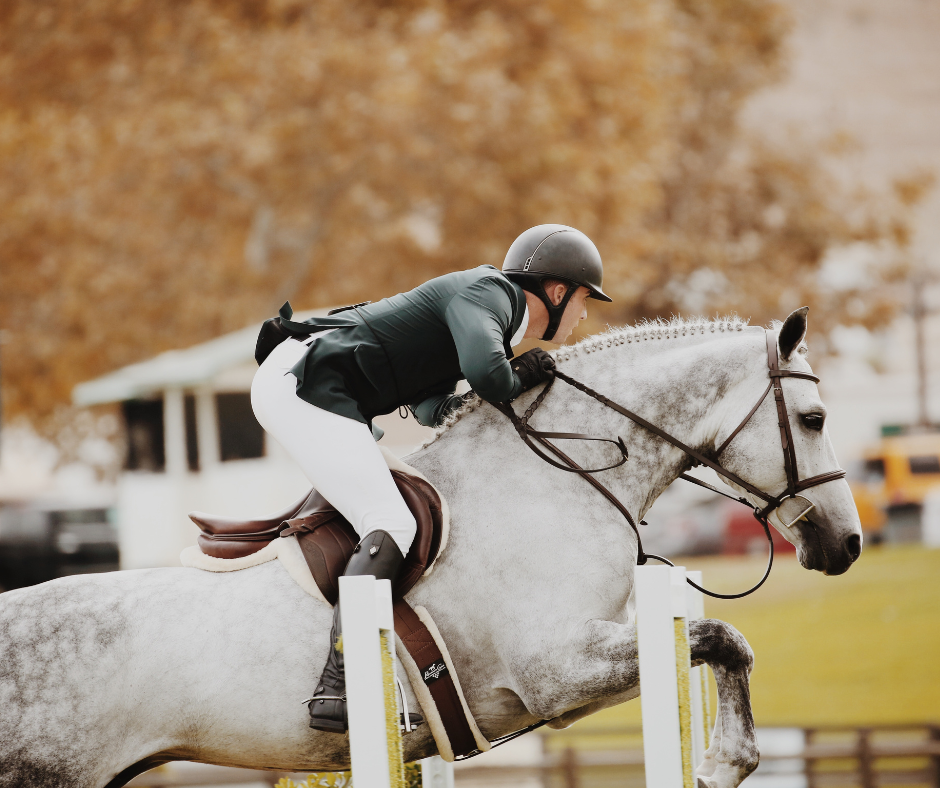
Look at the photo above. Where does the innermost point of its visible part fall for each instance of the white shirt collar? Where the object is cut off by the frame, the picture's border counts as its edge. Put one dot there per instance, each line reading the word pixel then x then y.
pixel 518 336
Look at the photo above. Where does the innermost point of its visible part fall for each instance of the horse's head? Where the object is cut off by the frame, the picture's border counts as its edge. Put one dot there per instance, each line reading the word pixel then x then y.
pixel 821 521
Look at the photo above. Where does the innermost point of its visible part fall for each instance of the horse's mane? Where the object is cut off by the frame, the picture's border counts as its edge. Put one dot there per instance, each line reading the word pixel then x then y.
pixel 674 328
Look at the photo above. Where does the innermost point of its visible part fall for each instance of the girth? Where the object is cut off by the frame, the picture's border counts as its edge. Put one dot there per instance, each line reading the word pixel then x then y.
pixel 536 438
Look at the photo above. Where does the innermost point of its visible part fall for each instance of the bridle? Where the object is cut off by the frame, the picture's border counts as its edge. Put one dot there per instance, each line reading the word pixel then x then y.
pixel 538 440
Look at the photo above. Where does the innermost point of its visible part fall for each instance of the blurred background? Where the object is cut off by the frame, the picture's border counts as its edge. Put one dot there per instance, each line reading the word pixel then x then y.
pixel 171 173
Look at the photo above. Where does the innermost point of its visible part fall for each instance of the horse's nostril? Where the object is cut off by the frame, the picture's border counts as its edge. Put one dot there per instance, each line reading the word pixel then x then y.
pixel 854 545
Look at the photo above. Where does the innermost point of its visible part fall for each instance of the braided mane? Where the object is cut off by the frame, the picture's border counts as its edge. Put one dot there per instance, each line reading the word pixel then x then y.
pixel 652 329
pixel 645 330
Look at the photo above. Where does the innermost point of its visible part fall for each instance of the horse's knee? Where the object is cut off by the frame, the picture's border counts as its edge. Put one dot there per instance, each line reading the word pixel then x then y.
pixel 718 643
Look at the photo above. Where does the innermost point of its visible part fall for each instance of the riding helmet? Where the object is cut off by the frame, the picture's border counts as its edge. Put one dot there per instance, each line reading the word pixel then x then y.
pixel 555 251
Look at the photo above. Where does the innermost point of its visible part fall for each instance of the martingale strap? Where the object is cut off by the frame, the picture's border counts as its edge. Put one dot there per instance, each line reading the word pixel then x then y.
pixel 795 485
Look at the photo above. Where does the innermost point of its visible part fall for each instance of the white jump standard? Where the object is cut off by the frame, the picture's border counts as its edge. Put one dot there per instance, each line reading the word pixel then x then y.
pixel 672 693
pixel 371 688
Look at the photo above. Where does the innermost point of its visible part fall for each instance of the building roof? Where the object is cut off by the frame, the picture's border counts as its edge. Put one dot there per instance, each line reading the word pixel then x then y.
pixel 187 368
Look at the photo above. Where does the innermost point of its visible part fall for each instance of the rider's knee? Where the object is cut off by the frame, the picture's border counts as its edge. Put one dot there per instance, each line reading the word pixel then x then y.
pixel 403 531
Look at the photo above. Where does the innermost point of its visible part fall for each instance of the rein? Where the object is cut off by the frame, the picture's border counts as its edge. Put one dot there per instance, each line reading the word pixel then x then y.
pixel 537 440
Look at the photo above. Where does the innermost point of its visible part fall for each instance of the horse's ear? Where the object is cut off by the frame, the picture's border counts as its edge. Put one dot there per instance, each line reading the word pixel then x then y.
pixel 792 332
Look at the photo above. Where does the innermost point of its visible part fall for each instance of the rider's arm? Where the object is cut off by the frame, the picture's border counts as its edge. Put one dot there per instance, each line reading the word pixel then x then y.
pixel 478 319
pixel 432 410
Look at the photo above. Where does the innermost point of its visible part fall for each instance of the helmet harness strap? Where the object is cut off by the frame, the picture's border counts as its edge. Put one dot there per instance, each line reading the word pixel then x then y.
pixel 535 284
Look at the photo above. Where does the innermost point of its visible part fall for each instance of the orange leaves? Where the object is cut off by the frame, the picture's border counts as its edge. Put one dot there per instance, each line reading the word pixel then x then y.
pixel 171 171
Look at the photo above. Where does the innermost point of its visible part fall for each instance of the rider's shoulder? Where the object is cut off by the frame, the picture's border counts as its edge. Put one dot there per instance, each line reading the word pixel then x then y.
pixel 489 277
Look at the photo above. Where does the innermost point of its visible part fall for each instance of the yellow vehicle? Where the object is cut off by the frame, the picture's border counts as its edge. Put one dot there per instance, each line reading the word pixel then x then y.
pixel 894 477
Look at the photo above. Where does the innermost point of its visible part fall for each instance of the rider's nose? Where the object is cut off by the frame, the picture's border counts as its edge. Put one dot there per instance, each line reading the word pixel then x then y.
pixel 853 544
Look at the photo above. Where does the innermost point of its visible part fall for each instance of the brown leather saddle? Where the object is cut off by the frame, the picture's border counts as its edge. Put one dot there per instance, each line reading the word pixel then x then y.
pixel 326 537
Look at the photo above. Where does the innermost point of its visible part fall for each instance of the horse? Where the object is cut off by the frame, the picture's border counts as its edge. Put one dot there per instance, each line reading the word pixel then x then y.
pixel 105 676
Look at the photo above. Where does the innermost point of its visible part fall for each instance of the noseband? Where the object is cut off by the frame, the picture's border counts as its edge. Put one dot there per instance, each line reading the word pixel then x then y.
pixel 536 440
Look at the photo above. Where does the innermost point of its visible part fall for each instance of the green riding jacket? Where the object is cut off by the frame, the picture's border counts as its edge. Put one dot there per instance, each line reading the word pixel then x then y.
pixel 413 348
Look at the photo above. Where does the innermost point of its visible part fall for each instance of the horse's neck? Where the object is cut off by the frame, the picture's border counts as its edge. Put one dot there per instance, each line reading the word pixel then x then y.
pixel 678 385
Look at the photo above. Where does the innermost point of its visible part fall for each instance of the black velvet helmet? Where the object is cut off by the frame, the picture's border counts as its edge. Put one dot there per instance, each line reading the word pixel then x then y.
pixel 555 251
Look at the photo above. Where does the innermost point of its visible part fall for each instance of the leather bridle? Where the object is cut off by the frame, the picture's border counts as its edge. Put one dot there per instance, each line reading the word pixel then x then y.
pixel 538 440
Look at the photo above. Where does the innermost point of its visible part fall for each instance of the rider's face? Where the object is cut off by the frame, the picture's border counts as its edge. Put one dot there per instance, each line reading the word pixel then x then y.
pixel 575 312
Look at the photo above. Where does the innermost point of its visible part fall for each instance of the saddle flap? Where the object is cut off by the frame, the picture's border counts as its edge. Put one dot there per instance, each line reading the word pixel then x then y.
pixel 328 545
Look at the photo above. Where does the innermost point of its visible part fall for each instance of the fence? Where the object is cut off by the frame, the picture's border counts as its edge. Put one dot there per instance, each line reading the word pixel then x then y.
pixel 591 757
pixel 872 757
pixel 831 757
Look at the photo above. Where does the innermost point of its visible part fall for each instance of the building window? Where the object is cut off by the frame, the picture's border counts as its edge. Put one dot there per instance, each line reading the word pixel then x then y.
pixel 144 422
pixel 192 442
pixel 928 463
pixel 240 435
pixel 875 469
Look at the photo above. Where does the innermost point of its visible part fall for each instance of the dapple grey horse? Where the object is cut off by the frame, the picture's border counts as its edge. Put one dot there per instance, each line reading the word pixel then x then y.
pixel 104 676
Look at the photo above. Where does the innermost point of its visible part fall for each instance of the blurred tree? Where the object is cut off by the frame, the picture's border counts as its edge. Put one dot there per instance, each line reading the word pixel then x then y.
pixel 171 171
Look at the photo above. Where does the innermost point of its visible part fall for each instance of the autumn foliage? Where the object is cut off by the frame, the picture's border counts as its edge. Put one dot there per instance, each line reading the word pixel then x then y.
pixel 171 171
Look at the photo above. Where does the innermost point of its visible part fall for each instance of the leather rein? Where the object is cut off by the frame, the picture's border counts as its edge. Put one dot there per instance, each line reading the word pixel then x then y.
pixel 539 441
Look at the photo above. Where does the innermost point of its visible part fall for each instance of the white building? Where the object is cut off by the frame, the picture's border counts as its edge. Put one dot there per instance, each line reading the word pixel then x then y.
pixel 193 443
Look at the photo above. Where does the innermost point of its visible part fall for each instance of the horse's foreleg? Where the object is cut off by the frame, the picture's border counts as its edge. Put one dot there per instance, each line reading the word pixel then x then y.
pixel 733 752
pixel 599 668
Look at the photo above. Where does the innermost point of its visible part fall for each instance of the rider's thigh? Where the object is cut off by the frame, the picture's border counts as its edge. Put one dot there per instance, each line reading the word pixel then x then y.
pixel 338 456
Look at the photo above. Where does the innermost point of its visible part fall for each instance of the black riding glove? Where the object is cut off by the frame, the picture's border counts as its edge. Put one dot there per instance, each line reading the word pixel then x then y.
pixel 533 367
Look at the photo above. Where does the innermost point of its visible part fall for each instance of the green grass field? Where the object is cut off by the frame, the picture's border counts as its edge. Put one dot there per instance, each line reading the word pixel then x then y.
pixel 851 650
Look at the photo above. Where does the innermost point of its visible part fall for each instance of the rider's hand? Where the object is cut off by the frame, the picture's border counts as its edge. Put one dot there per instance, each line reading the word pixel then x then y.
pixel 533 367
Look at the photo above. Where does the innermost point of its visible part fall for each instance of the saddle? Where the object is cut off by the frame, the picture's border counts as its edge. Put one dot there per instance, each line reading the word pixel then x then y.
pixel 326 537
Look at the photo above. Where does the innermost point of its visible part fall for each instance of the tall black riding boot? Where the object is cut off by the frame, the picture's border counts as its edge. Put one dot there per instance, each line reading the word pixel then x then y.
pixel 377 555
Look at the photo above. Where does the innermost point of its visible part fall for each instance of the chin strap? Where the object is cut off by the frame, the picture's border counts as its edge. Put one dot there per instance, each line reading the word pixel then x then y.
pixel 554 312
pixel 532 283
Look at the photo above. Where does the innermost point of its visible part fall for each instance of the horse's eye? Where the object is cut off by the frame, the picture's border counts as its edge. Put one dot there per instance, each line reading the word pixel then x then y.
pixel 813 421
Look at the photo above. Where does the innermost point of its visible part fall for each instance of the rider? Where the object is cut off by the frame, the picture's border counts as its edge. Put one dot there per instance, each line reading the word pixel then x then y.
pixel 321 382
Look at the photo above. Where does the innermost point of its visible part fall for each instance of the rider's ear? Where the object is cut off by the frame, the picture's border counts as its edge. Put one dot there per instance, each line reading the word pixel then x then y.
pixel 792 332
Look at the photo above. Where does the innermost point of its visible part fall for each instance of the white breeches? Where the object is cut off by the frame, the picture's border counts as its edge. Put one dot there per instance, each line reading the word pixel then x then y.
pixel 338 455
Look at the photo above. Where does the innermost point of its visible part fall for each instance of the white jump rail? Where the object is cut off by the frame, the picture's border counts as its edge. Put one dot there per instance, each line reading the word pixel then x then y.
pixel 437 773
pixel 673 695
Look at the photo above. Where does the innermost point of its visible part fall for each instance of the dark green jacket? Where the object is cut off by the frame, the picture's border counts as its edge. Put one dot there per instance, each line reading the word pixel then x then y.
pixel 413 348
